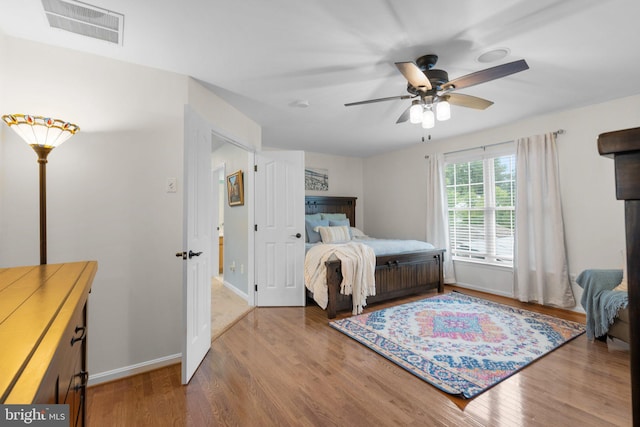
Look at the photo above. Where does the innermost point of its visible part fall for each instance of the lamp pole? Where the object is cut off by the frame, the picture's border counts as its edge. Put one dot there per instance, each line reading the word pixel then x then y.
pixel 42 153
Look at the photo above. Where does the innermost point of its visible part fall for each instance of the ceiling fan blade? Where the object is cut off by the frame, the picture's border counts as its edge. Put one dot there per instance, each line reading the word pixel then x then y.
pixel 404 116
pixel 468 101
pixel 371 101
pixel 487 75
pixel 414 75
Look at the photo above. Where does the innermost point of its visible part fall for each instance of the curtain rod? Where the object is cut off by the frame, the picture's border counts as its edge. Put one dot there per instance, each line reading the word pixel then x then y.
pixel 483 147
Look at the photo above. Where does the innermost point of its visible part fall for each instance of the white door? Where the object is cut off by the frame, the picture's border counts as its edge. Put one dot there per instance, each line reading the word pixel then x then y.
pixel 197 242
pixel 279 198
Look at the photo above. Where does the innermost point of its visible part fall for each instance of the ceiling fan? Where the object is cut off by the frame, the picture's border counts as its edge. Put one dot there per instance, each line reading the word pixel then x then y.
pixel 434 91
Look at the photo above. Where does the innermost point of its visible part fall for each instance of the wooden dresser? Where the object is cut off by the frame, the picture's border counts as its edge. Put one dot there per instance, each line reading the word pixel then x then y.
pixel 43 335
pixel 624 147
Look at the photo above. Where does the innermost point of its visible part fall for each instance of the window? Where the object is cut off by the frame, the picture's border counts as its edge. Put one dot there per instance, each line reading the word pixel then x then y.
pixel 481 208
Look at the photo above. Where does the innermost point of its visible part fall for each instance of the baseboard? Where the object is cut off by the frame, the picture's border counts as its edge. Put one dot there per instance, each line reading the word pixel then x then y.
pixel 577 308
pixel 481 289
pixel 138 368
pixel 235 290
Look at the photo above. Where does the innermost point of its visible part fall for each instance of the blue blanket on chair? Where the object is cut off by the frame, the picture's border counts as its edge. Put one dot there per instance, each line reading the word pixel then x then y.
pixel 599 299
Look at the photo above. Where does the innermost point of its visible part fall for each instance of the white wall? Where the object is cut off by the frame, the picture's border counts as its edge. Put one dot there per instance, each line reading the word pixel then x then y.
pixel 394 187
pixel 225 119
pixel 106 190
pixel 345 179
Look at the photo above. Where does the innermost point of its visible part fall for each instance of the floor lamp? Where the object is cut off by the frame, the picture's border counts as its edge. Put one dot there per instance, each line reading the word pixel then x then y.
pixel 43 134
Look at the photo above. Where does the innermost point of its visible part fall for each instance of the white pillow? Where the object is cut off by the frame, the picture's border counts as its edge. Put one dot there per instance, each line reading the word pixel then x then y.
pixel 356 232
pixel 335 234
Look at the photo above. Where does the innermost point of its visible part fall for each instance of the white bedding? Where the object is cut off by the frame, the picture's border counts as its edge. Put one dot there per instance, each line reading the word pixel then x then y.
pixel 387 246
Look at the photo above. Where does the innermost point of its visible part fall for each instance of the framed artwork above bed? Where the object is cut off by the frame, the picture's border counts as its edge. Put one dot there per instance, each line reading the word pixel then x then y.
pixel 316 179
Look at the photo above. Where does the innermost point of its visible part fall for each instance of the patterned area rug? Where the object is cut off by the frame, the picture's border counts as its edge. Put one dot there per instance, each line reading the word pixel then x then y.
pixel 461 344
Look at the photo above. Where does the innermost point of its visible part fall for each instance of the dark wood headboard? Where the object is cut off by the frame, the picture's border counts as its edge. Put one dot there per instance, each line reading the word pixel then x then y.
pixel 330 204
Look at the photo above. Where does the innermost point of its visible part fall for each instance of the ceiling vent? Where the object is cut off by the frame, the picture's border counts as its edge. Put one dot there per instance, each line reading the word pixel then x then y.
pixel 84 19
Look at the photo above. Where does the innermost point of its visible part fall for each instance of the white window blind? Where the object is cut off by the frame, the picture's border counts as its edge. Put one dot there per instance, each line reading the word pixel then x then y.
pixel 481 205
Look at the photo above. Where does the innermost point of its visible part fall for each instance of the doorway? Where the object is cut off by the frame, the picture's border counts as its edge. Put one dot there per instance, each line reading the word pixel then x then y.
pixel 202 143
pixel 229 302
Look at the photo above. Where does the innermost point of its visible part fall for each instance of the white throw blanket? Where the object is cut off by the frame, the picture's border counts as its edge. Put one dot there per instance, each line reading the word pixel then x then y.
pixel 358 272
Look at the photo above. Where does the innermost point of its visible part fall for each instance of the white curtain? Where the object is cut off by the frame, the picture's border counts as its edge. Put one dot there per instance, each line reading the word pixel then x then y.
pixel 540 261
pixel 437 218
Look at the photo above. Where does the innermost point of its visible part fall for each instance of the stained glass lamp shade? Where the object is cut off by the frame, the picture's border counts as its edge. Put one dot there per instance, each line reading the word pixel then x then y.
pixel 40 131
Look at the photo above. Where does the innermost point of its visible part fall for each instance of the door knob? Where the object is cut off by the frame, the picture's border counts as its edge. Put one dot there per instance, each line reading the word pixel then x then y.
pixel 297 235
pixel 182 255
pixel 192 254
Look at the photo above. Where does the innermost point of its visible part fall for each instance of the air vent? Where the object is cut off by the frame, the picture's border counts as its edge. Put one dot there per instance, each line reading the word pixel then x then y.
pixel 84 19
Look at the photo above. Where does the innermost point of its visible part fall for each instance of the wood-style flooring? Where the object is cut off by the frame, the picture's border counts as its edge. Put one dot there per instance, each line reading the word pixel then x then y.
pixel 287 367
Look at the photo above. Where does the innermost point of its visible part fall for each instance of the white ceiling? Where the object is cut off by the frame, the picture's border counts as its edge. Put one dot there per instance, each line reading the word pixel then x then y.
pixel 264 56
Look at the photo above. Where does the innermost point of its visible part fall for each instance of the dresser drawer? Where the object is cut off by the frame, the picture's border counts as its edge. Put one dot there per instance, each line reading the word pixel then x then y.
pixel 65 365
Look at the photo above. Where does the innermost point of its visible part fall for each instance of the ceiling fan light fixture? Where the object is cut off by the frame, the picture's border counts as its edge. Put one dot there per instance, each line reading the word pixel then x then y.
pixel 443 110
pixel 415 112
pixel 431 88
pixel 428 119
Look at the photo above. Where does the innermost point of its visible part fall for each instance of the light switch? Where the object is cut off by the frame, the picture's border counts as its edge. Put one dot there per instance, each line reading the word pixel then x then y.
pixel 172 185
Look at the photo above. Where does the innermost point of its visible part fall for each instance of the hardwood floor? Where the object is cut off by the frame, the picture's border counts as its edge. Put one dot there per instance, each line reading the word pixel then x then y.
pixel 287 367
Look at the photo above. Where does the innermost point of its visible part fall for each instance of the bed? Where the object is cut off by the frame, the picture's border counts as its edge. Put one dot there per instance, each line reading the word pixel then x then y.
pixel 396 275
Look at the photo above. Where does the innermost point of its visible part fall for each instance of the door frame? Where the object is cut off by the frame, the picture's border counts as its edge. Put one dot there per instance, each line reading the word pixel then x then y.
pixel 249 182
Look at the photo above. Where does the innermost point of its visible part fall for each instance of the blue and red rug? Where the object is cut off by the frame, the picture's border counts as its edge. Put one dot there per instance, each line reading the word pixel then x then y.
pixel 461 344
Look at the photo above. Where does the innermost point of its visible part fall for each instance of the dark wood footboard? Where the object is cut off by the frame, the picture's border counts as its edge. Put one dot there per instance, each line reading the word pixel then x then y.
pixel 396 276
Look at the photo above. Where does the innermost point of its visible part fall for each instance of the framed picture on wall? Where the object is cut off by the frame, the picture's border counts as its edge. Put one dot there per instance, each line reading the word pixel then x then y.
pixel 235 189
pixel 316 179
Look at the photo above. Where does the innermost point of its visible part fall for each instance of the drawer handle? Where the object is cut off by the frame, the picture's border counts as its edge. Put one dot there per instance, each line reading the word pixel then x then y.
pixel 394 263
pixel 81 337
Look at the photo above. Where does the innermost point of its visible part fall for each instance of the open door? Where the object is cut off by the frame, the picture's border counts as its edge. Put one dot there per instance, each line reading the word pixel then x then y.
pixel 198 205
pixel 279 239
